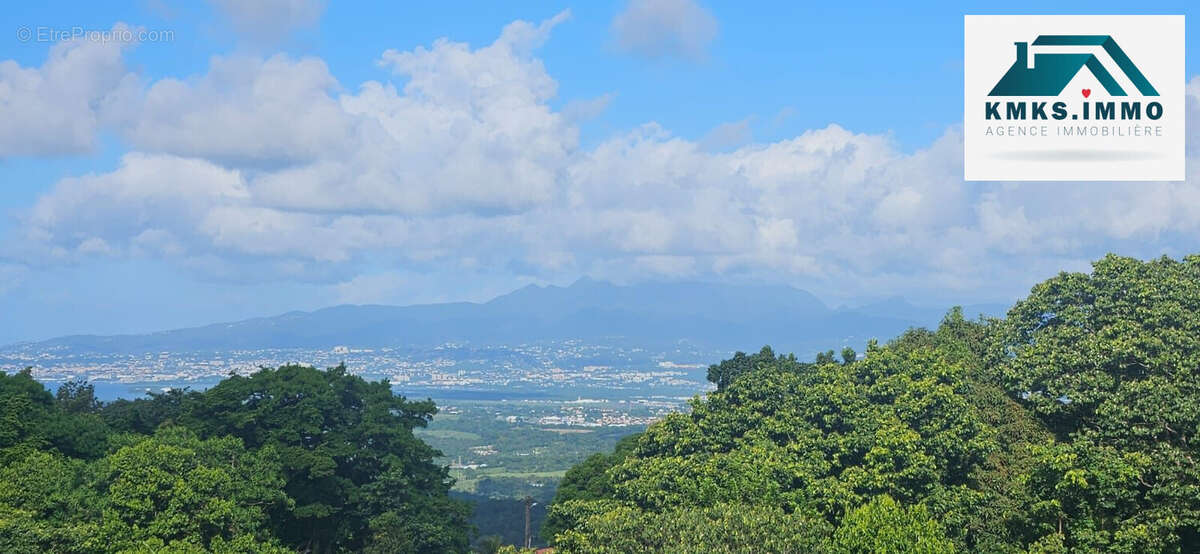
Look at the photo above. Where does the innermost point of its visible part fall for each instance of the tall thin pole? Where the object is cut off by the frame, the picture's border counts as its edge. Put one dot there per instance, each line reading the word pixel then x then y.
pixel 528 537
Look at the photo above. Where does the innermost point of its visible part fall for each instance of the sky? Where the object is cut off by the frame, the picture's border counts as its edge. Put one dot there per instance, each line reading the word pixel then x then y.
pixel 166 164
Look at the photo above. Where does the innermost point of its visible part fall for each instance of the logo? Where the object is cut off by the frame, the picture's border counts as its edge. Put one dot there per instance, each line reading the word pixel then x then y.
pixel 1071 104
pixel 1048 74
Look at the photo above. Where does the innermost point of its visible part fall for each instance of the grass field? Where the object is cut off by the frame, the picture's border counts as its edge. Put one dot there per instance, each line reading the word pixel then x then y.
pixel 466 479
pixel 447 434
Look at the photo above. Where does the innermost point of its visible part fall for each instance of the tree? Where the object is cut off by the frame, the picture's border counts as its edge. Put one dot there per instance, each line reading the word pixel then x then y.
pixel 350 460
pixel 724 373
pixel 848 355
pixel 883 526
pixel 32 418
pixel 77 397
pixel 175 489
pixel 587 480
pixel 813 440
pixel 1116 352
pixel 718 528
pixel 315 460
pixel 144 415
pixel 44 504
pixel 170 491
pixel 1110 362
pixel 1089 498
pixel 25 406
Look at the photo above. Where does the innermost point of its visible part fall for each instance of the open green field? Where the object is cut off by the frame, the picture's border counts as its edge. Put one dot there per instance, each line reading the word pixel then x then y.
pixel 448 434
pixel 465 480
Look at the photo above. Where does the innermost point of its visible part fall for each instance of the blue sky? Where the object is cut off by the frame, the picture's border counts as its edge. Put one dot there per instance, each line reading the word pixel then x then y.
pixel 289 154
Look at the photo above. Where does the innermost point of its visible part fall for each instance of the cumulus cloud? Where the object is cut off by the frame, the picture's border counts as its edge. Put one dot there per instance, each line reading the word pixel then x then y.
pixel 58 108
pixel 270 20
pixel 469 131
pixel 269 164
pixel 665 28
pixel 246 111
pixel 149 200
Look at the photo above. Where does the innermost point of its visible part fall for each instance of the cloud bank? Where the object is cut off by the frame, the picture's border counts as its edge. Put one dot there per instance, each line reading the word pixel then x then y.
pixel 268 168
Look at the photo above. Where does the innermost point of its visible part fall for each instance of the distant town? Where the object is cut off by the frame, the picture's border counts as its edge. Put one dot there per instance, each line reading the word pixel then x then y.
pixel 510 421
pixel 564 383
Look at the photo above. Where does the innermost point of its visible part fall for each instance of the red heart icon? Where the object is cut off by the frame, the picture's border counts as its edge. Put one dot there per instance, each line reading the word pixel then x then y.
pixel 1087 92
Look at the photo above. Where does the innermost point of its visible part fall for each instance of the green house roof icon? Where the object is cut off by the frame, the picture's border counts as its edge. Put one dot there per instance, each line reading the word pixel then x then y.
pixel 1052 71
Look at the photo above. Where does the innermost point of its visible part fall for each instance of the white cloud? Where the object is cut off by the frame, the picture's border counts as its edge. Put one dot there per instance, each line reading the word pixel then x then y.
pixel 58 108
pixel 470 130
pixel 267 166
pixel 150 197
pixel 246 111
pixel 665 28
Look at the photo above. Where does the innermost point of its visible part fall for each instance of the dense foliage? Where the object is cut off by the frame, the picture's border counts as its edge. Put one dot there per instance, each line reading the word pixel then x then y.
pixel 1110 362
pixel 1068 426
pixel 288 459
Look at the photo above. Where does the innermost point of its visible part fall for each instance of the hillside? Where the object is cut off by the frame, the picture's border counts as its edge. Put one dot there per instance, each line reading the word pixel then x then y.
pixel 1067 426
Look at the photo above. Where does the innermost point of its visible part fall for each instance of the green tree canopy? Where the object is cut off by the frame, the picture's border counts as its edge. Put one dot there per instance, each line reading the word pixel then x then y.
pixel 883 526
pixel 733 528
pixel 311 460
pixel 587 480
pixel 1110 361
pixel 175 489
pixel 348 454
pixel 727 371
pixel 816 441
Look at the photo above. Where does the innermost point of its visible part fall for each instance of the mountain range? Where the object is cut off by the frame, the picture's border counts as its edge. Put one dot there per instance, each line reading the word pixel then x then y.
pixel 653 315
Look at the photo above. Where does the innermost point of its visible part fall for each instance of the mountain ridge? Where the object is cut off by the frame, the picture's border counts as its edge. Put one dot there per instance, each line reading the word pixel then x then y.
pixel 651 314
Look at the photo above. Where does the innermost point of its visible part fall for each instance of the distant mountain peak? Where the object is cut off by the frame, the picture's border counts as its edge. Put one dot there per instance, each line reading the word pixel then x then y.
pixel 737 316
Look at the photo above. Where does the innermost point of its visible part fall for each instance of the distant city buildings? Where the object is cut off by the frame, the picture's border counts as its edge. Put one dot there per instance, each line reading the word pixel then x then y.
pixel 543 366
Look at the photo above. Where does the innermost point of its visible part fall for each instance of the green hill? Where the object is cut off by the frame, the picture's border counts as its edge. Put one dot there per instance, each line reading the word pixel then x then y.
pixel 1068 426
